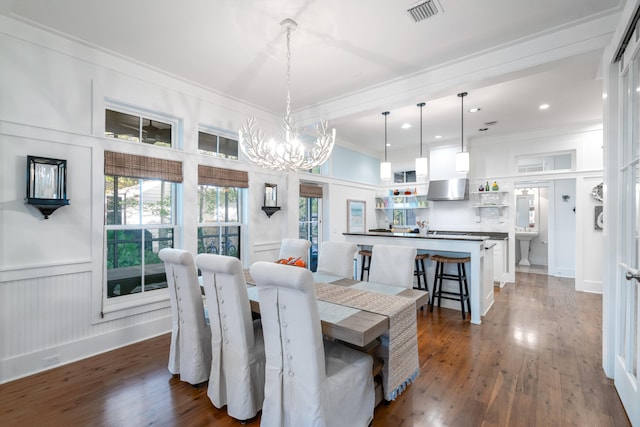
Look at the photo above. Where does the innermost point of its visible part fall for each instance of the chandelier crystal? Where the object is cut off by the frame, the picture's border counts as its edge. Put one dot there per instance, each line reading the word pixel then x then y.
pixel 291 153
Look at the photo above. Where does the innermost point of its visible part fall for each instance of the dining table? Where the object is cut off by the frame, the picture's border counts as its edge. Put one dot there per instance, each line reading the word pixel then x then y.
pixel 373 317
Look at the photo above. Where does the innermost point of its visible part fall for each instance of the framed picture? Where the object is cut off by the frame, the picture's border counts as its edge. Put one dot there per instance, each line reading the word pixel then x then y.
pixel 356 216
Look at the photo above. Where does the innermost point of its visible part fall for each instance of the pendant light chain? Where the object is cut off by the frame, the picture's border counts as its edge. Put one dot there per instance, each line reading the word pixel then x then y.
pixel 385 114
pixel 288 112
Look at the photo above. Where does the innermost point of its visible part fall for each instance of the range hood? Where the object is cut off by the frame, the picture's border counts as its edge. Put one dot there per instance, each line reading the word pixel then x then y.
pixel 449 189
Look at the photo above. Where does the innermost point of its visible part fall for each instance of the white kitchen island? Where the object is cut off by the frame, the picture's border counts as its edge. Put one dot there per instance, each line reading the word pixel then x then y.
pixel 480 290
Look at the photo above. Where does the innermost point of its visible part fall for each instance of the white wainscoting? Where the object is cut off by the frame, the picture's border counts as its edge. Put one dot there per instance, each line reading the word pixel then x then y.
pixel 46 322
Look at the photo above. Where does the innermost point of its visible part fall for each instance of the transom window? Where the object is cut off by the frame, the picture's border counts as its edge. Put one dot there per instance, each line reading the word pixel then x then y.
pixel 136 128
pixel 217 145
pixel 545 162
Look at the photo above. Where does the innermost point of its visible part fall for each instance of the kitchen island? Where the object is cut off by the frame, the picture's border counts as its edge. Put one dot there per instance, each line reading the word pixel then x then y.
pixel 460 245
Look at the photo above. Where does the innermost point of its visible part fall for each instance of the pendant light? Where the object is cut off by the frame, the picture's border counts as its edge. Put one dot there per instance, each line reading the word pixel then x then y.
pixel 462 158
pixel 385 167
pixel 422 163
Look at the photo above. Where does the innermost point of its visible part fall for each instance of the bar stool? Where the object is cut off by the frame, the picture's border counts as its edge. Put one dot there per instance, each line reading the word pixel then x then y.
pixel 461 277
pixel 421 271
pixel 365 262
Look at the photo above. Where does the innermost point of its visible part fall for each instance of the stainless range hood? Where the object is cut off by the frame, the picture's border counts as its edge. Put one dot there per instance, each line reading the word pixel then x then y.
pixel 449 189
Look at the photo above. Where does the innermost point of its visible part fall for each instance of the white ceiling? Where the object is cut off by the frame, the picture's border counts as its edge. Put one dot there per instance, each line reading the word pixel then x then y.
pixel 343 48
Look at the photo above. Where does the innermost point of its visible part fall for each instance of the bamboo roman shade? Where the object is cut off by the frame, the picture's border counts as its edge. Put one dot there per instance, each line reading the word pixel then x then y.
pixel 209 175
pixel 133 166
pixel 310 190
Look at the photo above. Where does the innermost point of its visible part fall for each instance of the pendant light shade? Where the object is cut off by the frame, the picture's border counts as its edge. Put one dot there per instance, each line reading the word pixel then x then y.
pixel 462 158
pixel 422 163
pixel 385 167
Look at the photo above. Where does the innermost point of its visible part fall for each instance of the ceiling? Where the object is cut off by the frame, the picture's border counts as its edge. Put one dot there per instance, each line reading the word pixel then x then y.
pixel 343 51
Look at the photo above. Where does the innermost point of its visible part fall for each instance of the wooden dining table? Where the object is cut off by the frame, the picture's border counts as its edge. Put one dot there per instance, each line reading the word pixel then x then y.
pixel 357 327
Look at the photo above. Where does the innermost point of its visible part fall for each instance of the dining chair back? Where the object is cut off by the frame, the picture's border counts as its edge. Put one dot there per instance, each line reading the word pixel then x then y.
pixel 392 265
pixel 308 381
pixel 237 362
pixel 336 258
pixel 190 349
pixel 296 248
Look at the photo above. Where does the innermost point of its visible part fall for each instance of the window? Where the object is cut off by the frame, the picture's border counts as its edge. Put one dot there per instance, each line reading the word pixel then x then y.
pixel 217 145
pixel 220 210
pixel 545 162
pixel 137 128
pixel 139 222
pixel 139 200
pixel 404 176
pixel 310 204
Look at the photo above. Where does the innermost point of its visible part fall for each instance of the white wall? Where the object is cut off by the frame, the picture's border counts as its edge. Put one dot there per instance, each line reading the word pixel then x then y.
pixel 54 93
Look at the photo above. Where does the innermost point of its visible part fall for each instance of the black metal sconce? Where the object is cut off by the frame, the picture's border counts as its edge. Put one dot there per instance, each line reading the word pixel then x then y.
pixel 46 184
pixel 270 205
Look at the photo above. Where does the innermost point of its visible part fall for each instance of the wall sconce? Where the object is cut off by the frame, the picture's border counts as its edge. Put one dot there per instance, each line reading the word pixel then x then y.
pixel 46 184
pixel 270 205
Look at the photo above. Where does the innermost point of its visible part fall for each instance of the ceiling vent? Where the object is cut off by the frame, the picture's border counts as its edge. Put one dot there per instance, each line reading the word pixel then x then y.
pixel 424 10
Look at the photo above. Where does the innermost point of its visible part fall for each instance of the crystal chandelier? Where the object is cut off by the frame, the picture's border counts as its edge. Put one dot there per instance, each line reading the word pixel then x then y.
pixel 291 153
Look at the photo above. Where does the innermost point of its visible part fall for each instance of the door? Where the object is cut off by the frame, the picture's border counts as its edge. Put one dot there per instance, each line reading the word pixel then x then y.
pixel 625 318
pixel 309 226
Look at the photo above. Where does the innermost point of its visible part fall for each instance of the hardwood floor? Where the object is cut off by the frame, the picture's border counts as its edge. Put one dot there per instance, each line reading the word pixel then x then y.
pixel 534 361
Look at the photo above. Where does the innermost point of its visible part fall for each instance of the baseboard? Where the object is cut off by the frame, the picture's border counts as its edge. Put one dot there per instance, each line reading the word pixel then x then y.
pixel 50 358
pixel 589 286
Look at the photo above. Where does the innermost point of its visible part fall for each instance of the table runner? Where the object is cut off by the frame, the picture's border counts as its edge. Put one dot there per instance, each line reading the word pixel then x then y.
pixel 399 346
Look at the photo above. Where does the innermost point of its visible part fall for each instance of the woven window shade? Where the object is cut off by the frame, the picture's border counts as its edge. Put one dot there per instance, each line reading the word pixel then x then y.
pixel 208 175
pixel 310 190
pixel 132 166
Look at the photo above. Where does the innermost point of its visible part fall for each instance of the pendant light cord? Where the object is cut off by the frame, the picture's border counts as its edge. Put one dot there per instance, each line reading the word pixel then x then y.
pixel 385 114
pixel 462 95
pixel 422 104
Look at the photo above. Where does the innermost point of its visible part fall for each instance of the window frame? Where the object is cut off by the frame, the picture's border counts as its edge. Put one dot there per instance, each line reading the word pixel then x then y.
pixel 240 223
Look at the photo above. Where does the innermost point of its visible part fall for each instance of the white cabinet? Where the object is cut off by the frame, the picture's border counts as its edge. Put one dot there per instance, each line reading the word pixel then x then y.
pixel 499 262
pixel 401 210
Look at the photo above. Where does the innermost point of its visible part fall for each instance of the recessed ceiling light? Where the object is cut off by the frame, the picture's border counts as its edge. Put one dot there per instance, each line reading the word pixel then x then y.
pixel 543 106
pixel 438 136
pixel 474 109
pixel 405 126
pixel 388 144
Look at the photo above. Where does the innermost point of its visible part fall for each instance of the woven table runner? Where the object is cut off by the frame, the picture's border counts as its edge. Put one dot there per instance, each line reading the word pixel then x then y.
pixel 399 348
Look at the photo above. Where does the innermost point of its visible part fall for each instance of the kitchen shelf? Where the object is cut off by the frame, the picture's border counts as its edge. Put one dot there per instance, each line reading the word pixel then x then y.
pixel 401 201
pixel 484 201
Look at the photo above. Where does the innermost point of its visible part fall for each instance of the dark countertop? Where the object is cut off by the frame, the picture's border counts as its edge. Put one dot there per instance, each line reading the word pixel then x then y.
pixel 489 235
pixel 437 236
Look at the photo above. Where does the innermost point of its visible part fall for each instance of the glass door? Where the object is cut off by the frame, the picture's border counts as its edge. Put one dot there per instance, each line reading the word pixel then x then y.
pixel 309 226
pixel 626 320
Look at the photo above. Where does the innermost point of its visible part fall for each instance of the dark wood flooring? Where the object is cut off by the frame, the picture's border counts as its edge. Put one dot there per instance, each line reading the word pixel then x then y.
pixel 534 361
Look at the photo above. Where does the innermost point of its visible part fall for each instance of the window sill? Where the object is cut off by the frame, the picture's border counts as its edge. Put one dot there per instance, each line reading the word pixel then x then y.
pixel 134 305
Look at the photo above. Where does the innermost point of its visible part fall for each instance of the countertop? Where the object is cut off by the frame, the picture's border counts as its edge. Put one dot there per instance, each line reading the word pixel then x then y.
pixel 437 236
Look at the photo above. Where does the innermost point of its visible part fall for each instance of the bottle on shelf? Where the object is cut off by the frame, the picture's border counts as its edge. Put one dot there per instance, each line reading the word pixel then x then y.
pixel 486 187
pixel 495 186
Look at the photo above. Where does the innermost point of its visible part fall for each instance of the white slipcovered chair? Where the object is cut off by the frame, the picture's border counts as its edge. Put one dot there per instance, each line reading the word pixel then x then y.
pixel 190 350
pixel 392 265
pixel 336 258
pixel 296 248
pixel 237 363
pixel 309 382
